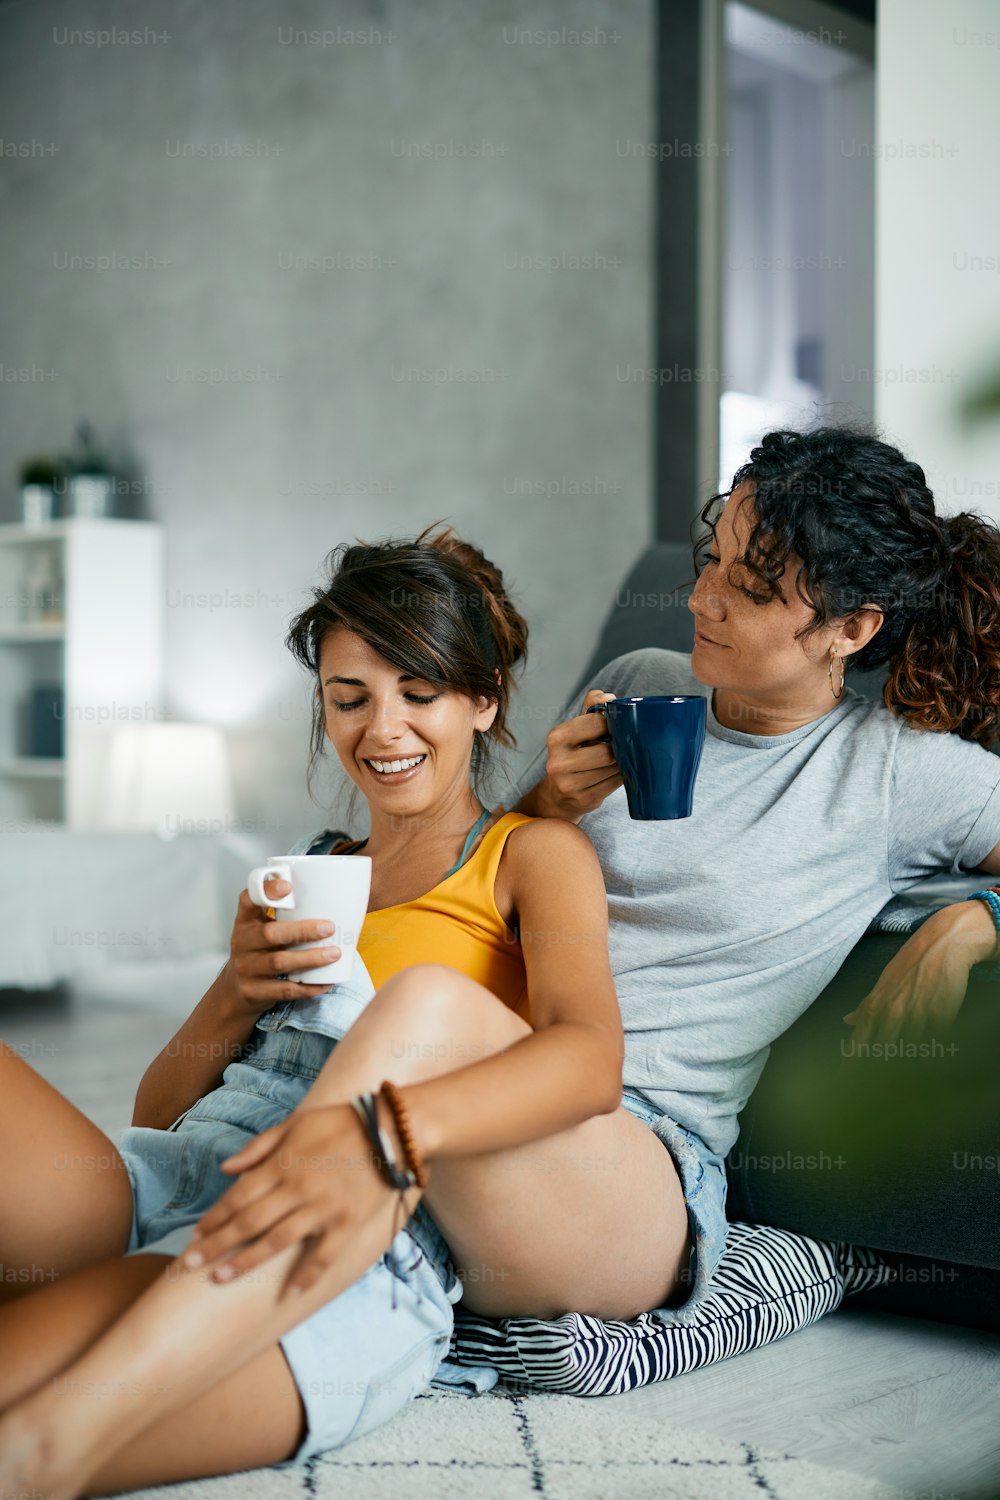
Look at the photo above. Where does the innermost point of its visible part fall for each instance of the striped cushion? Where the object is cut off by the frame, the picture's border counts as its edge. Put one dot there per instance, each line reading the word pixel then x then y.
pixel 767 1283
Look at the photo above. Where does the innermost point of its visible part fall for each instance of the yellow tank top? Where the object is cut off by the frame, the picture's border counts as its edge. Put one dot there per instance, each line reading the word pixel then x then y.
pixel 456 923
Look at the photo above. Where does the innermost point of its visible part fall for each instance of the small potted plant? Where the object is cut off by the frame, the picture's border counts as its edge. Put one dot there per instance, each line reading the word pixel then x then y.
pixel 90 482
pixel 39 479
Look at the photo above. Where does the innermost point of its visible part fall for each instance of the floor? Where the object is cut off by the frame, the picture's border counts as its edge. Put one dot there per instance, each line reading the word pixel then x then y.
pixel 909 1403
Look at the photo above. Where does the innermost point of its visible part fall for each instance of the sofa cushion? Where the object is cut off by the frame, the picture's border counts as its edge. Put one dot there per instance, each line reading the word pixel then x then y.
pixel 894 1144
pixel 649 609
pixel 768 1283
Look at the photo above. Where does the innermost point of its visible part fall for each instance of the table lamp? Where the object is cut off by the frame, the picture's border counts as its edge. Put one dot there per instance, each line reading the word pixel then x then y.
pixel 168 779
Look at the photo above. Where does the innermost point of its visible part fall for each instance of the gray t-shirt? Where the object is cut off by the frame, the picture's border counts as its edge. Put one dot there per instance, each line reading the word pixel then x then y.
pixel 725 926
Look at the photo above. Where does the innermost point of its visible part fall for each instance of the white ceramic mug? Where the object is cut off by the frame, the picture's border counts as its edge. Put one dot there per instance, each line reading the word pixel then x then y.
pixel 325 888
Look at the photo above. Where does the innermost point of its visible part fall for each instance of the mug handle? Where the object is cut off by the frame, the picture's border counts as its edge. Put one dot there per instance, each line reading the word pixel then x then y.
pixel 599 708
pixel 255 887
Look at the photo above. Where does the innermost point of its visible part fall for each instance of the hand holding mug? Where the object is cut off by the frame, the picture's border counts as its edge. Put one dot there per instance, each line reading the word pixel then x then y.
pixel 331 888
pixel 581 769
pixel 657 743
pixel 262 952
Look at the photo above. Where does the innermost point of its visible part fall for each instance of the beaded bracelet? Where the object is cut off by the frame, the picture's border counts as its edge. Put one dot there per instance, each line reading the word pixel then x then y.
pixel 385 1157
pixel 992 899
pixel 394 1099
pixel 385 1160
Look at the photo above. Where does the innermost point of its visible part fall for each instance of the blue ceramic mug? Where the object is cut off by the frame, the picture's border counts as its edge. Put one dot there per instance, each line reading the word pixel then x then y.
pixel 657 744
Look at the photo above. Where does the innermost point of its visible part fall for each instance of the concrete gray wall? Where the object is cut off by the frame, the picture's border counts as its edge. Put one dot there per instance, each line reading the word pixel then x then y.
pixel 330 321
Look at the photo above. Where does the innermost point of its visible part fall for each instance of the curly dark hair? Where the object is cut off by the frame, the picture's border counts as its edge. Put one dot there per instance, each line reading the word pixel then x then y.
pixel 861 518
pixel 433 606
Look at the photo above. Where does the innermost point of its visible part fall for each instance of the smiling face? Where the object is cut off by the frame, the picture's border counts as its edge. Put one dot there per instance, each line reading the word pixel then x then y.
pixel 745 643
pixel 405 741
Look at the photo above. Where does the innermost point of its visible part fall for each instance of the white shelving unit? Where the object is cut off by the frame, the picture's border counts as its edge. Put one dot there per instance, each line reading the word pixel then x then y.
pixel 102 649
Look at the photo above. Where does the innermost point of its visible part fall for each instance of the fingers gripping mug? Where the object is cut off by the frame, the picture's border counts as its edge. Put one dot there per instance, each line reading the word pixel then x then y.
pixel 657 744
pixel 331 888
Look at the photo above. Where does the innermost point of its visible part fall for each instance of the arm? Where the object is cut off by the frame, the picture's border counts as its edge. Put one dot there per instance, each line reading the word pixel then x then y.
pixel 943 805
pixel 569 1068
pixel 216 1032
pixel 193 1061
pixel 922 988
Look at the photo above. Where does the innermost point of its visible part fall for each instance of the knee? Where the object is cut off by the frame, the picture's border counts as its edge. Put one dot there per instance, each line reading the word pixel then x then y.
pixel 433 1003
pixel 432 992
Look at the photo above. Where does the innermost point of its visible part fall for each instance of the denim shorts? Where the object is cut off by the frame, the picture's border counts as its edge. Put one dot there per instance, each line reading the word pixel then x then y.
pixel 703 1180
pixel 359 1359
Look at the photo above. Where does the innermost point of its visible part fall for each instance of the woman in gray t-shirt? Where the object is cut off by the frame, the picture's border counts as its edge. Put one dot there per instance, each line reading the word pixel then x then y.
pixel 812 806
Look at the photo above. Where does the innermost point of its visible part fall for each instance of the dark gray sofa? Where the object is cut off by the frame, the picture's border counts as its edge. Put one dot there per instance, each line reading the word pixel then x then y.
pixel 898 1153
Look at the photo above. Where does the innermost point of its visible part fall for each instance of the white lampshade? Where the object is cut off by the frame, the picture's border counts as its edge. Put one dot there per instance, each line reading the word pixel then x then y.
pixel 168 779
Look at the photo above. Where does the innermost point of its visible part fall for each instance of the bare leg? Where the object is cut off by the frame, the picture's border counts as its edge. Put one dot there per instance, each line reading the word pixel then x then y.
pixel 252 1418
pixel 67 1200
pixel 590 1220
pixel 182 1337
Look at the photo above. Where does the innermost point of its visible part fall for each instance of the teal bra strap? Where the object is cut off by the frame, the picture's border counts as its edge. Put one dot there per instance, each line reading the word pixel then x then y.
pixel 474 832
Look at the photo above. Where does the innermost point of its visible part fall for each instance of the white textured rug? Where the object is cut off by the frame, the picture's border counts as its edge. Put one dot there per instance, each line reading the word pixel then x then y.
pixel 503 1446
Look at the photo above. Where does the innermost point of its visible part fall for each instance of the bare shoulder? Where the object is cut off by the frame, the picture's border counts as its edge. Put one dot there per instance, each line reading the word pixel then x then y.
pixel 547 844
pixel 541 835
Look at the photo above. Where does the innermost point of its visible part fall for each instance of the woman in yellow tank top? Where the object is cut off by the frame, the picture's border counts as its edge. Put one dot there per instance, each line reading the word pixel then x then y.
pixel 532 1190
pixel 455 923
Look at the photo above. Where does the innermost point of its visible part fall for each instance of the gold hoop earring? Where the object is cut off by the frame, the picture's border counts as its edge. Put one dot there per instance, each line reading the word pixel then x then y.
pixel 829 672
